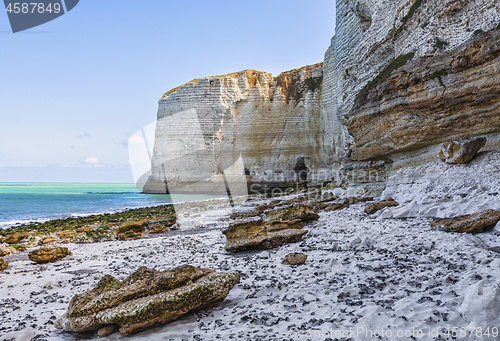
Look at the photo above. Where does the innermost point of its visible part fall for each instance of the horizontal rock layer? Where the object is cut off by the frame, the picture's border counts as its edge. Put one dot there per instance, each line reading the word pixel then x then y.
pixel 405 76
pixel 400 78
pixel 432 100
pixel 146 298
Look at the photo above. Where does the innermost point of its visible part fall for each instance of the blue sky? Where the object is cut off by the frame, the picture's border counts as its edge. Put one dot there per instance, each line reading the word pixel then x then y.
pixel 73 90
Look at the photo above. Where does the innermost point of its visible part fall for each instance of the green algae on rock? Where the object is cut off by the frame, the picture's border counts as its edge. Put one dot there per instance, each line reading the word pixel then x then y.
pixel 3 264
pixel 49 255
pixel 147 298
pixel 255 233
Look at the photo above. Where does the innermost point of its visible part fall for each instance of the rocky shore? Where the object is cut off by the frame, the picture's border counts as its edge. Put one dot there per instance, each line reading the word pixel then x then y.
pixel 358 271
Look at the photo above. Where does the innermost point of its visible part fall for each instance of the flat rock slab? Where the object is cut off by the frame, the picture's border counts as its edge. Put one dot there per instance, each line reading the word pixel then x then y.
pixel 461 150
pixel 377 206
pixel 255 233
pixel 147 298
pixel 49 255
pixel 468 223
pixel 302 212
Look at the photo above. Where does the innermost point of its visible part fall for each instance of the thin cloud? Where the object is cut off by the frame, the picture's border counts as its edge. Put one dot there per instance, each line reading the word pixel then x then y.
pixel 90 160
pixel 84 136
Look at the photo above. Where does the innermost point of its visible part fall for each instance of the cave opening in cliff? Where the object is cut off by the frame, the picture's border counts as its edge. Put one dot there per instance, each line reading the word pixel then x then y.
pixel 301 169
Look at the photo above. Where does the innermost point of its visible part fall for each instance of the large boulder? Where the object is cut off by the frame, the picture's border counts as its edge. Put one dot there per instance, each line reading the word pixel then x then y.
pixel 147 298
pixel 461 150
pixel 161 225
pixel 133 226
pixel 302 212
pixel 377 206
pixel 16 237
pixel 131 230
pixel 3 264
pixel 49 255
pixel 468 223
pixel 257 234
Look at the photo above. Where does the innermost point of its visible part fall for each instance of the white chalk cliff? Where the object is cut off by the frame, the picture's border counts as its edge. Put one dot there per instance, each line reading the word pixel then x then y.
pixel 400 78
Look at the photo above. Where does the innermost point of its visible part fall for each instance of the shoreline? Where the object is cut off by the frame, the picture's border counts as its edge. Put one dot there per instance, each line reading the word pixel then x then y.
pixel 71 215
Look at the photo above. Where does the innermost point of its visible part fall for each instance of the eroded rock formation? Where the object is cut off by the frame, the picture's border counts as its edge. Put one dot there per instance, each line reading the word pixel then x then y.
pixel 49 255
pixel 146 298
pixel 3 264
pixel 255 233
pixel 275 125
pixel 461 150
pixel 468 223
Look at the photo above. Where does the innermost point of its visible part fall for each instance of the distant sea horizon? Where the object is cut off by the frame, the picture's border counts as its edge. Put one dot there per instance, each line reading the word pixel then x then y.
pixel 26 202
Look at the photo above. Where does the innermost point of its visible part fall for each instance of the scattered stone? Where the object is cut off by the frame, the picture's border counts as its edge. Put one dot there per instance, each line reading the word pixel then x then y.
pixel 461 150
pixel 16 237
pixel 146 298
pixel 3 264
pixel 49 255
pixel 468 223
pixel 377 206
pixel 257 234
pixel 294 259
pixel 302 212
pixel 105 331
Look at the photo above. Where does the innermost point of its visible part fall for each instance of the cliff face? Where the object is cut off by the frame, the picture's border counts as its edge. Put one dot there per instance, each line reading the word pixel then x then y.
pixel 275 125
pixel 400 78
pixel 411 74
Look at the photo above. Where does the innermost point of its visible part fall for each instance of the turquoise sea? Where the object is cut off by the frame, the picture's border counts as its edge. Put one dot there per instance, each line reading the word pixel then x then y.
pixel 25 202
